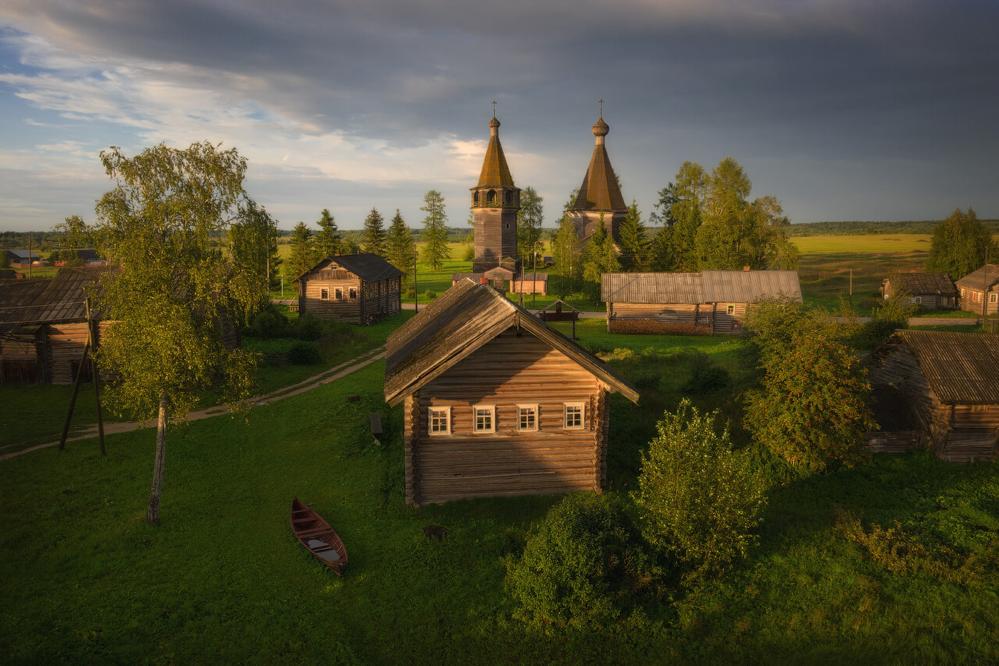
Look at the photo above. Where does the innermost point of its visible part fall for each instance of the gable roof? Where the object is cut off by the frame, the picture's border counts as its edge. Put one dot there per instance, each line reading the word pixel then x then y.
pixel 704 287
pixel 977 279
pixel 60 299
pixel 365 265
pixel 959 367
pixel 600 191
pixel 923 283
pixel 462 320
pixel 22 253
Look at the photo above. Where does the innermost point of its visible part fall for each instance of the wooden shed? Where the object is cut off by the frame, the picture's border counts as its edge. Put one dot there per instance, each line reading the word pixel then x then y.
pixel 529 282
pixel 693 303
pixel 980 290
pixel 927 291
pixel 951 381
pixel 495 402
pixel 354 288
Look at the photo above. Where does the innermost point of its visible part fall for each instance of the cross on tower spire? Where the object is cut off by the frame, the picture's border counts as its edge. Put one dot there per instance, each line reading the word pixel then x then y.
pixel 494 108
pixel 601 102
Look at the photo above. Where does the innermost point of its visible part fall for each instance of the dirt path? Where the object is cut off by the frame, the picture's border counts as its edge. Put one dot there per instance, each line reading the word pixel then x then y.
pixel 315 381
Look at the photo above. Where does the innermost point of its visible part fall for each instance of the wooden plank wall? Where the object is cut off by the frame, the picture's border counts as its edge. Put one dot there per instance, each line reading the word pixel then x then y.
pixel 687 318
pixel 508 371
pixel 66 343
pixel 348 311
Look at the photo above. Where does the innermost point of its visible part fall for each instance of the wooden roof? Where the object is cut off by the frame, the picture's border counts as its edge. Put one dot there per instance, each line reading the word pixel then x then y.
pixel 365 265
pixel 918 283
pixel 463 319
pixel 600 191
pixel 703 287
pixel 60 299
pixel 959 367
pixel 987 276
pixel 495 172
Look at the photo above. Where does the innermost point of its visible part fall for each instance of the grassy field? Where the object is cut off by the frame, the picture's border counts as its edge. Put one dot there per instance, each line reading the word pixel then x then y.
pixel 83 578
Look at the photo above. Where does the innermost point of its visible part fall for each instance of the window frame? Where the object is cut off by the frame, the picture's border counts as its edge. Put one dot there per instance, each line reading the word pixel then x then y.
pixel 352 293
pixel 582 415
pixel 446 409
pixel 338 293
pixel 324 293
pixel 993 298
pixel 492 419
pixel 535 410
pixel 918 300
pixel 730 309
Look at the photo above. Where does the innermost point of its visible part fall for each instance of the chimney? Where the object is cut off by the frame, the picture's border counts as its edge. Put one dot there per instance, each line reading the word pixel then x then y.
pixel 745 269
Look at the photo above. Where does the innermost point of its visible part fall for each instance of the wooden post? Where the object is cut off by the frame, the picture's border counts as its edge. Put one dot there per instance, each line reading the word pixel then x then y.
pixel 96 378
pixel 851 283
pixel 76 391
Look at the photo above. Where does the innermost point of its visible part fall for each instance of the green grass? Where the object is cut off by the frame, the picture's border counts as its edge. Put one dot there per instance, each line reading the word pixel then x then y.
pixel 83 578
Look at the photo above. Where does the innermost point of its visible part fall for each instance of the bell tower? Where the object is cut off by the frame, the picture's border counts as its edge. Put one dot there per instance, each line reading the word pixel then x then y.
pixel 599 200
pixel 495 202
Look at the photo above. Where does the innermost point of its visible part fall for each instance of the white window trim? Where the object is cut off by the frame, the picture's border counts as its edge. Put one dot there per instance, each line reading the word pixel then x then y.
pixel 582 415
pixel 324 293
pixel 993 298
pixel 730 309
pixel 430 420
pixel 492 419
pixel 537 417
pixel 356 293
pixel 338 293
pixel 918 300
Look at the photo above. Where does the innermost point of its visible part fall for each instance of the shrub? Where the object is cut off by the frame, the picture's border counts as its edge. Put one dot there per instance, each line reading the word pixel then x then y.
pixel 429 294
pixel 699 500
pixel 308 328
pixel 580 566
pixel 886 317
pixel 303 353
pixel 705 376
pixel 468 254
pixel 269 322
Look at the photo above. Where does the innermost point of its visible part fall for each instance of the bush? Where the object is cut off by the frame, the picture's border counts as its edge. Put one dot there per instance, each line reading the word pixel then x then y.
pixel 580 566
pixel 308 328
pixel 699 500
pixel 269 322
pixel 468 254
pixel 429 294
pixel 303 353
pixel 705 376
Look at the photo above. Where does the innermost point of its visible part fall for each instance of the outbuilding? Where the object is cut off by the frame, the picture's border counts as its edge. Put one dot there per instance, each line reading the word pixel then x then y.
pixel 354 288
pixel 495 403
pixel 980 290
pixel 927 291
pixel 951 383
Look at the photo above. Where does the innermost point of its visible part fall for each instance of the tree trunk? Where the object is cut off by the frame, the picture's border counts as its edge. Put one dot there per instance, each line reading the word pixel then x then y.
pixel 153 513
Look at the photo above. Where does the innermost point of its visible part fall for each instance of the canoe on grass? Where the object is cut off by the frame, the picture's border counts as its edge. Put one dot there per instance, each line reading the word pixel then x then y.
pixel 317 537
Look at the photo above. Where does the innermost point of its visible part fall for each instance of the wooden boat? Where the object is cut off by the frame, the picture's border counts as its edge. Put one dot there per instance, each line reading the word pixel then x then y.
pixel 317 537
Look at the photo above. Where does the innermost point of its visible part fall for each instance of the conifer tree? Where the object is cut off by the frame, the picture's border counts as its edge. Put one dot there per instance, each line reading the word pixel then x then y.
pixel 327 243
pixel 633 242
pixel 373 237
pixel 399 244
pixel 435 248
pixel 302 251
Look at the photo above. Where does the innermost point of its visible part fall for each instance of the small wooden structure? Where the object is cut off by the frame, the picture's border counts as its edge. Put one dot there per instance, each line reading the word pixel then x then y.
pixel 317 537
pixel 560 311
pixel 495 402
pixel 530 282
pixel 980 290
pixel 355 288
pixel 927 291
pixel 951 381
pixel 691 303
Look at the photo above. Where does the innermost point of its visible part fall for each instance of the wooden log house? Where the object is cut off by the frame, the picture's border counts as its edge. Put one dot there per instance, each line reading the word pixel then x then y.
pixel 495 403
pixel 927 291
pixel 980 290
pixel 951 381
pixel 690 303
pixel 353 288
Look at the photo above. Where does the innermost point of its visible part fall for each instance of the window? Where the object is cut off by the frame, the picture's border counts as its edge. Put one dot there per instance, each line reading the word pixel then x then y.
pixel 338 293
pixel 918 300
pixel 475 198
pixel 573 416
pixel 324 294
pixel 491 198
pixel 484 418
pixel 352 293
pixel 527 417
pixel 730 309
pixel 440 421
pixel 993 298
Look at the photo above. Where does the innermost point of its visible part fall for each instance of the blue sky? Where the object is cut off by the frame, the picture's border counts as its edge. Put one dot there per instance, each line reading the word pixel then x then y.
pixel 843 110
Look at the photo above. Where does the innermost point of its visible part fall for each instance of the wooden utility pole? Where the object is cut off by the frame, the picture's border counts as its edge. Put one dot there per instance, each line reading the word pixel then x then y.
pixel 29 255
pixel 985 288
pixel 416 291
pixel 76 391
pixel 95 376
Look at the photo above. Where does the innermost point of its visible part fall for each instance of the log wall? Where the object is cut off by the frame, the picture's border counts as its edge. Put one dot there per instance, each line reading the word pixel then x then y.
pixel 683 318
pixel 66 343
pixel 508 371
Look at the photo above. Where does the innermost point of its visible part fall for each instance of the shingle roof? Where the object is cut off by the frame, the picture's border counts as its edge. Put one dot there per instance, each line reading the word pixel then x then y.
pixel 365 265
pixel 977 279
pixel 462 320
pixel 960 367
pixel 22 253
pixel 600 190
pixel 704 287
pixel 60 299
pixel 495 172
pixel 915 284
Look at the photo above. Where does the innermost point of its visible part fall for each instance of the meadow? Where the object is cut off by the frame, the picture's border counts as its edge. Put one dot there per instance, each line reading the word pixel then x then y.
pixel 84 578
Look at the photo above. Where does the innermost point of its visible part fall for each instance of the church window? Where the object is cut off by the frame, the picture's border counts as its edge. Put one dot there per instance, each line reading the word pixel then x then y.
pixel 475 198
pixel 491 197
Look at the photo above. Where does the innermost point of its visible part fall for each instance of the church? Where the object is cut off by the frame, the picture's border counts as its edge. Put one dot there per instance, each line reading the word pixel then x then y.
pixel 496 202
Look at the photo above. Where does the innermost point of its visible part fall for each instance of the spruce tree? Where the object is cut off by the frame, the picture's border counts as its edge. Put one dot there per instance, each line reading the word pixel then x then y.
pixel 399 244
pixel 327 242
pixel 634 245
pixel 435 248
pixel 373 237
pixel 302 251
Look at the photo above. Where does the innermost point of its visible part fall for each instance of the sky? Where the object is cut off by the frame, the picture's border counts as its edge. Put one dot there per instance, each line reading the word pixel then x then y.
pixel 848 110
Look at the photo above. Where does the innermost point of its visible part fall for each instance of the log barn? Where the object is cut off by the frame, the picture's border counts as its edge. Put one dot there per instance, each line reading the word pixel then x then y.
pixel 927 291
pixel 951 382
pixel 980 290
pixel 692 303
pixel 495 403
pixel 530 282
pixel 43 327
pixel 353 288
